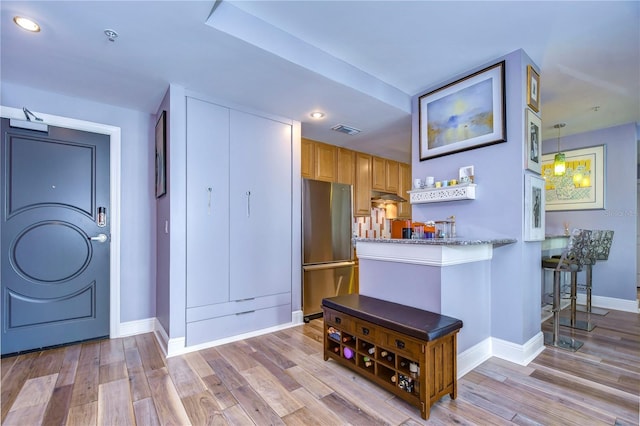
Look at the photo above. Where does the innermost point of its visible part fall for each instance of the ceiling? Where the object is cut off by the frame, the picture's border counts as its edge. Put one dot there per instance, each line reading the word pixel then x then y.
pixel 359 62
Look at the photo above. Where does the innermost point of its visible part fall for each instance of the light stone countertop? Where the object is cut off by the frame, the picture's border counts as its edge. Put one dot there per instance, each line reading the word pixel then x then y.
pixel 497 242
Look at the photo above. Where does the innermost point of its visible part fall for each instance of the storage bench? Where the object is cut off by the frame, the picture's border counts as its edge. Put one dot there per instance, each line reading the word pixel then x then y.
pixel 408 351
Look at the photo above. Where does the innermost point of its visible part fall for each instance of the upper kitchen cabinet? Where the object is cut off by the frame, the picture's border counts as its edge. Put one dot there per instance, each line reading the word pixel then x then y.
pixel 319 161
pixel 378 174
pixel 346 166
pixel 404 185
pixel 392 176
pixel 307 163
pixel 384 175
pixel 362 193
pixel 326 160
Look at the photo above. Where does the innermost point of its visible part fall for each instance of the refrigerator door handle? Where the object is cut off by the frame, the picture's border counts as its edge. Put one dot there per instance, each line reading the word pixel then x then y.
pixel 327 266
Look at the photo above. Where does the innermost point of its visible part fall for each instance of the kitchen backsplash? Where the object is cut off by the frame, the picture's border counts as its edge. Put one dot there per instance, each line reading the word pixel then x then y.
pixel 376 226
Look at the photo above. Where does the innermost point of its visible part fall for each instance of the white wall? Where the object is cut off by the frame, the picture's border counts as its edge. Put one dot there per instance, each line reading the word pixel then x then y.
pixel 137 262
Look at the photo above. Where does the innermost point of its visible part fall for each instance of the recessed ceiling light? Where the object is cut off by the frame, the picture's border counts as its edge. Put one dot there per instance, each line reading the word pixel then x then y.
pixel 27 24
pixel 317 114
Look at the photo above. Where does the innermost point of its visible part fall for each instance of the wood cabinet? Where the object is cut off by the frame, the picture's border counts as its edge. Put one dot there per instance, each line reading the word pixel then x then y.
pixel 307 163
pixel 378 174
pixel 330 163
pixel 391 176
pixel 346 166
pixel 326 161
pixel 362 193
pixel 384 175
pixel 319 161
pixel 238 245
pixel 404 185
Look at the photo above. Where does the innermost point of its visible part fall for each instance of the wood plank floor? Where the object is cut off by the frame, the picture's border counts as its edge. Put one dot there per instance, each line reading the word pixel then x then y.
pixel 281 378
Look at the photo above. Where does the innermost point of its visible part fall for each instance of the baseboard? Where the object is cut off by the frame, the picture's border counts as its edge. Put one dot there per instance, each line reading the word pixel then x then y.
pixel 491 346
pixel 518 354
pixel 473 357
pixel 132 328
pixel 177 346
pixel 610 303
pixel 161 336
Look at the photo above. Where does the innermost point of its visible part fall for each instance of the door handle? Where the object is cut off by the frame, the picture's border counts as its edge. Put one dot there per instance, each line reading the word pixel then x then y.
pixel 101 238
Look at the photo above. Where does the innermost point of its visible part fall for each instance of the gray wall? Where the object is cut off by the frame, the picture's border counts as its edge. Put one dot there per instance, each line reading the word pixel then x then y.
pixel 138 261
pixel 616 277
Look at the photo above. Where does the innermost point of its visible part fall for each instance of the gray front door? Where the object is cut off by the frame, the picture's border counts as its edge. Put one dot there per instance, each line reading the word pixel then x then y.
pixel 55 262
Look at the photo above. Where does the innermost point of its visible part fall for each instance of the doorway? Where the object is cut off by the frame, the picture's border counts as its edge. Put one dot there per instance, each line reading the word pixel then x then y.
pixel 114 135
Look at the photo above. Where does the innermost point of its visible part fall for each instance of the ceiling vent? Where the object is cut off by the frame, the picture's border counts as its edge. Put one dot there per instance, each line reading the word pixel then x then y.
pixel 346 129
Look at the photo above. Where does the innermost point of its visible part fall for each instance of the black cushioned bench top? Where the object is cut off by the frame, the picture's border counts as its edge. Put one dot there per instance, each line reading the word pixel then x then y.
pixel 414 322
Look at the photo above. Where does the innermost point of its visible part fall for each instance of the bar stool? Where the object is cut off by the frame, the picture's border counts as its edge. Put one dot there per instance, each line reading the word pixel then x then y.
pixel 601 241
pixel 577 254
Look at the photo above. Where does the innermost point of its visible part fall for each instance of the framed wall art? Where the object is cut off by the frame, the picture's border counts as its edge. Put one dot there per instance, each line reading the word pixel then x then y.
pixel 533 134
pixel 466 114
pixel 533 89
pixel 161 160
pixel 582 186
pixel 534 208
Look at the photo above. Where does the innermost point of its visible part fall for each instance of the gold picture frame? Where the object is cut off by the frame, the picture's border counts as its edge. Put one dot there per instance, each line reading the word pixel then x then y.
pixel 533 89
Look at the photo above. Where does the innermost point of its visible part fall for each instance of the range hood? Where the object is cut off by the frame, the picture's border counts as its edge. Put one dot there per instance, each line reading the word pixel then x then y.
pixel 386 197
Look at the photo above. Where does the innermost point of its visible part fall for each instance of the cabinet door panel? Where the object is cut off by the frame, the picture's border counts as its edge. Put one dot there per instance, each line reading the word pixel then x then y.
pixel 207 203
pixel 391 176
pixel 362 197
pixel 260 205
pixel 378 174
pixel 326 162
pixel 307 163
pixel 404 185
pixel 346 166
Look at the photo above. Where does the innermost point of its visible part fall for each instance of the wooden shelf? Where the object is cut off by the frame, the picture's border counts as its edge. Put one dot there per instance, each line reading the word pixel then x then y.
pixel 438 195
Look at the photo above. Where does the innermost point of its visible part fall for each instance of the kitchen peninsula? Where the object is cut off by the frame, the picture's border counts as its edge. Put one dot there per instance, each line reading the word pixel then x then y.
pixel 449 276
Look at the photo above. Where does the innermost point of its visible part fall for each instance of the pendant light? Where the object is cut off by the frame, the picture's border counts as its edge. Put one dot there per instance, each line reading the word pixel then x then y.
pixel 559 165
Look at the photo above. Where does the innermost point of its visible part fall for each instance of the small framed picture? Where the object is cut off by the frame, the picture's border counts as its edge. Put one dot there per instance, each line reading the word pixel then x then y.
pixel 533 134
pixel 533 89
pixel 534 207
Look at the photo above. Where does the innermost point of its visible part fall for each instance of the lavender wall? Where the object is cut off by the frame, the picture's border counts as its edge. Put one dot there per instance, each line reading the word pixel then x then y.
pixel 137 262
pixel 616 277
pixel 497 211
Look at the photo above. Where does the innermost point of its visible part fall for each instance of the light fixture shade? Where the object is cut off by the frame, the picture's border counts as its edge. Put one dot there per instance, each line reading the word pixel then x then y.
pixel 559 164
pixel 27 24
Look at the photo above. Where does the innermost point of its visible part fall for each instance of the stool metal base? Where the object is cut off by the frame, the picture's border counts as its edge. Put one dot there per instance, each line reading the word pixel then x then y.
pixel 566 343
pixel 595 311
pixel 578 324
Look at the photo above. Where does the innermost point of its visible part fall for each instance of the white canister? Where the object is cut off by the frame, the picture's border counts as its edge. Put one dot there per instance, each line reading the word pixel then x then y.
pixel 417 183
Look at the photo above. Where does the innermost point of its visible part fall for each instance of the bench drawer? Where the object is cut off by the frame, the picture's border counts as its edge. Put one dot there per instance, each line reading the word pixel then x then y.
pixel 365 330
pixel 343 321
pixel 401 344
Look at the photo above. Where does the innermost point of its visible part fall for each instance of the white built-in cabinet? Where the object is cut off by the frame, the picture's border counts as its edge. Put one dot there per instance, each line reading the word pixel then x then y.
pixel 239 236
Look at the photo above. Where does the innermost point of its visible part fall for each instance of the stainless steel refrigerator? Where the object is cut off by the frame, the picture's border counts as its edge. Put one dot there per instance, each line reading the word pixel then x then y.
pixel 327 247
